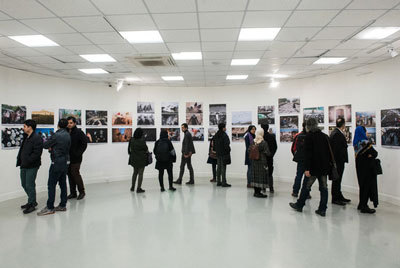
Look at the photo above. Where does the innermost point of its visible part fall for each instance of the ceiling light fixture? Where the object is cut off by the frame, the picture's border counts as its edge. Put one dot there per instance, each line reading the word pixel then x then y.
pixel 274 84
pixel 98 58
pixel 258 34
pixel 358 31
pixel 277 75
pixel 375 33
pixel 237 77
pixel 142 37
pixel 172 78
pixel 329 61
pixel 132 79
pixel 34 40
pixel 187 56
pixel 93 71
pixel 245 61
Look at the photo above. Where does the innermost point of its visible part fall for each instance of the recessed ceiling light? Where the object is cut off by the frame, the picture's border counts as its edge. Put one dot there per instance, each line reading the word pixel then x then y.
pixel 93 71
pixel 141 37
pixel 277 75
pixel 34 40
pixel 329 60
pixel 132 79
pixel 187 56
pixel 245 61
pixel 258 34
pixel 274 84
pixel 373 33
pixel 98 58
pixel 172 78
pixel 237 77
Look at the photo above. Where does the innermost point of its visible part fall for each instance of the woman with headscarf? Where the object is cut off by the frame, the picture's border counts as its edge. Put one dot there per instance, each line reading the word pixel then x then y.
pixel 137 151
pixel 366 173
pixel 249 139
pixel 259 179
pixel 165 155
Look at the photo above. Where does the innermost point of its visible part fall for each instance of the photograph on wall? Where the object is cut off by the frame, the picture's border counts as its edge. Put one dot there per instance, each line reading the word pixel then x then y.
pixel 241 118
pixel 289 122
pixel 122 119
pixel 211 132
pixel 11 138
pixel 97 135
pixel 65 113
pixel 238 134
pixel 145 116
pixel 170 119
pixel 371 134
pixel 45 133
pixel 193 119
pixel 266 115
pixel 343 111
pixel 314 112
pixel 145 107
pixel 197 133
pixel 121 134
pixel 174 134
pixel 149 134
pixel 289 105
pixel 170 113
pixel 145 120
pixel 288 134
pixel 13 115
pixel 390 118
pixel 43 117
pixel 96 118
pixel 194 107
pixel 391 136
pixel 217 114
pixel 366 119
pixel 347 133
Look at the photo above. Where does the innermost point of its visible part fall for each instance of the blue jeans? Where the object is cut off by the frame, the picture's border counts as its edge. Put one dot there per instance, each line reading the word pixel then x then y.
pixel 299 176
pixel 323 189
pixel 57 174
pixel 249 172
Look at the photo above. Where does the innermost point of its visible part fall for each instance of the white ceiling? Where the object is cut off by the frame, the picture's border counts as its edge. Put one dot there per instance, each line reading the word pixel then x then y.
pixel 309 29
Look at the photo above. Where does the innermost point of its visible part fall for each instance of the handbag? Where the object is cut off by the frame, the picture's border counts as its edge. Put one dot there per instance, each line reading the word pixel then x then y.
pixel 333 174
pixel 378 167
pixel 149 158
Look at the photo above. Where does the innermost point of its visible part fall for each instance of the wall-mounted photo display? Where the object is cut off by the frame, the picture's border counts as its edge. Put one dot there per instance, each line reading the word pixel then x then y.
pixel 194 119
pixel 217 114
pixel 11 138
pixel 266 115
pixel 96 118
pixel 211 132
pixel 314 112
pixel 122 119
pixel 145 114
pixel 241 118
pixel 194 113
pixel 390 118
pixel 13 115
pixel 366 119
pixel 391 136
pixel 43 116
pixel 97 135
pixel 145 108
pixel 347 133
pixel 289 105
pixel 45 133
pixel 291 121
pixel 174 134
pixel 288 134
pixel 371 131
pixel 121 134
pixel 150 134
pixel 170 113
pixel 343 111
pixel 145 120
pixel 65 113
pixel 238 134
pixel 197 133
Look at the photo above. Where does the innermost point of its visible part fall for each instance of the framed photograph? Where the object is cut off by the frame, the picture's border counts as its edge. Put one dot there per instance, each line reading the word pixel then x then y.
pixel 348 133
pixel 149 134
pixel 145 107
pixel 390 118
pixel 318 113
pixel 291 122
pixel 391 136
pixel 96 118
pixel 217 114
pixel 170 119
pixel 13 115
pixel 122 119
pixel 169 108
pixel 343 111
pixel 121 134
pixel 197 133
pixel 170 113
pixel 174 134
pixel 45 133
pixel 65 113
pixel 241 118
pixel 11 138
pixel 366 119
pixel 289 105
pixel 194 107
pixel 145 120
pixel 238 134
pixel 194 119
pixel 43 117
pixel 288 134
pixel 266 115
pixel 371 133
pixel 97 135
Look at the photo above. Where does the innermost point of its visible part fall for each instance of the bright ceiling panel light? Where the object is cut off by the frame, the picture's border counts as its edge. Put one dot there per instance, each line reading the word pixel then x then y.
pixel 329 61
pixel 237 77
pixel 132 79
pixel 93 71
pixel 274 84
pixel 277 75
pixel 258 34
pixel 374 33
pixel 187 56
pixel 172 78
pixel 245 61
pixel 98 58
pixel 34 40
pixel 142 37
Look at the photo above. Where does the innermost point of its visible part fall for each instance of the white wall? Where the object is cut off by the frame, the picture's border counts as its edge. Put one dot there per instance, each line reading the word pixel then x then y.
pixel 108 162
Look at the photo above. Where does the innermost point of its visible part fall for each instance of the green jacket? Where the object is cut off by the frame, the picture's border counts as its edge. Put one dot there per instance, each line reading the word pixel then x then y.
pixel 137 151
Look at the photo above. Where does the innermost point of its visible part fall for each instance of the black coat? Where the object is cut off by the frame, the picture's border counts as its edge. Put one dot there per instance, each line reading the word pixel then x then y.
pixel 212 156
pixel 339 146
pixel 187 143
pixel 298 147
pixel 78 145
pixel 366 174
pixel 30 153
pixel 222 146
pixel 137 150
pixel 317 154
pixel 248 143
pixel 272 145
pixel 172 159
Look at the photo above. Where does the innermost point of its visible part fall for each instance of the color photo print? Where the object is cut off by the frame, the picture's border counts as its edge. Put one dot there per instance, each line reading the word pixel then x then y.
pixel 241 118
pixel 289 105
pixel 65 113
pixel 174 134
pixel 217 114
pixel 266 115
pixel 170 113
pixel 45 133
pixel 289 122
pixel 390 118
pixel 121 134
pixel 150 134
pixel 366 119
pixel 96 118
pixel 288 134
pixel 145 114
pixel 13 115
pixel 197 133
pixel 43 117
pixel 343 111
pixel 391 137
pixel 317 113
pixel 11 138
pixel 238 134
pixel 347 133
pixel 122 119
pixel 97 135
pixel 194 113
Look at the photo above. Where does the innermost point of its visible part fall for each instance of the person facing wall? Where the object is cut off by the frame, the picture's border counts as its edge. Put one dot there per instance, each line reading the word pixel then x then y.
pixel 223 151
pixel 212 159
pixel 259 153
pixel 187 151
pixel 273 147
pixel 249 139
pixel 165 157
pixel 137 151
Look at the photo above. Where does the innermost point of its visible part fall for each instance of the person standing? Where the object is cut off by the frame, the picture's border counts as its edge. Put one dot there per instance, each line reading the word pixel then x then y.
pixel 260 172
pixel 137 151
pixel 298 157
pixel 78 147
pixel 29 161
pixel 339 148
pixel 187 152
pixel 58 146
pixel 212 159
pixel 223 151
pixel 165 157
pixel 273 147
pixel 248 139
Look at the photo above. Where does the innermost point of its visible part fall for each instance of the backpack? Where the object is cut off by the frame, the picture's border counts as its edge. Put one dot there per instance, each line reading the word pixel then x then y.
pixel 254 153
pixel 163 153
pixel 298 146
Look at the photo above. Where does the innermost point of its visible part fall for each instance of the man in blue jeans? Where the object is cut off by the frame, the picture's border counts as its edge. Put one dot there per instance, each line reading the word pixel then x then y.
pixel 58 146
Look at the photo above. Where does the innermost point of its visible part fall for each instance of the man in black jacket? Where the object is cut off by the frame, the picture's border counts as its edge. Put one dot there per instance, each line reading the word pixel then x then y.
pixel 273 147
pixel 187 152
pixel 317 165
pixel 29 161
pixel 223 150
pixel 339 148
pixel 299 157
pixel 78 147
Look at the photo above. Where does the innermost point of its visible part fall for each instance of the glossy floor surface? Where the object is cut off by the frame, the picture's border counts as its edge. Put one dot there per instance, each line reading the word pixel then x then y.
pixel 199 226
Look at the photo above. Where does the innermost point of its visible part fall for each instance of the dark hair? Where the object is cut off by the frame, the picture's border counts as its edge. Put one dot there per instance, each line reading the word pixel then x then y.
pixel 185 125
pixel 251 127
pixel 138 133
pixel 304 126
pixel 71 118
pixel 221 126
pixel 340 122
pixel 63 123
pixel 265 127
pixel 364 129
pixel 311 125
pixel 30 123
pixel 163 134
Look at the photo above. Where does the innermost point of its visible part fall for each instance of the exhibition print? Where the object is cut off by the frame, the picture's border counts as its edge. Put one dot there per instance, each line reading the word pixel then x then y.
pixel 122 119
pixel 339 111
pixel 43 117
pixel 121 134
pixel 170 113
pixel 145 120
pixel 371 133
pixel 288 134
pixel 314 112
pixel 13 115
pixel 289 122
pixel 391 136
pixel 347 133
pixel 194 107
pixel 390 118
pixel 289 105
pixel 11 138
pixel 149 134
pixel 145 107
pixel 194 113
pixel 97 135
pixel 65 113
pixel 238 134
pixel 145 115
pixel 241 118
pixel 174 134
pixel 211 132
pixel 45 133
pixel 266 115
pixel 197 133
pixel 366 119
pixel 217 114
pixel 96 118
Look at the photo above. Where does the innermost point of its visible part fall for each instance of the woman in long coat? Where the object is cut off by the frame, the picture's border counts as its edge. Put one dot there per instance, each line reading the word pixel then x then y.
pixel 260 167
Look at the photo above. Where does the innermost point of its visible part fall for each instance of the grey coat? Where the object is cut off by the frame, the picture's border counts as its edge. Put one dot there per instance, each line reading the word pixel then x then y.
pixel 260 167
pixel 187 144
pixel 59 143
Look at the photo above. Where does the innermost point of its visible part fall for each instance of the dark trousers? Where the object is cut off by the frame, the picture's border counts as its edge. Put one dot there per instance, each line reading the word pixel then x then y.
pixel 299 175
pixel 221 170
pixel 249 172
pixel 214 171
pixel 75 179
pixel 57 174
pixel 188 162
pixel 337 184
pixel 306 188
pixel 137 172
pixel 270 164
pixel 161 176
pixel 28 178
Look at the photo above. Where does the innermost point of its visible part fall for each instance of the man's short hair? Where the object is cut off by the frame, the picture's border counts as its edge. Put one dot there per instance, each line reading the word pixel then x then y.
pixel 221 126
pixel 185 125
pixel 71 118
pixel 340 122
pixel 265 127
pixel 311 125
pixel 30 123
pixel 63 123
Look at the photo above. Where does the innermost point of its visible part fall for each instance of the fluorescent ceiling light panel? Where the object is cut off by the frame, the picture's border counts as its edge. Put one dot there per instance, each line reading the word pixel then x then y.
pixel 374 33
pixel 142 37
pixel 34 40
pixel 329 61
pixel 93 71
pixel 274 84
pixel 237 77
pixel 258 34
pixel 98 58
pixel 132 79
pixel 172 78
pixel 187 56
pixel 245 61
pixel 277 75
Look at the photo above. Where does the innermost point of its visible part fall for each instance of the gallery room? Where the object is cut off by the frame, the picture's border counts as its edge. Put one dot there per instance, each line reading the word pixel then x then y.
pixel 200 133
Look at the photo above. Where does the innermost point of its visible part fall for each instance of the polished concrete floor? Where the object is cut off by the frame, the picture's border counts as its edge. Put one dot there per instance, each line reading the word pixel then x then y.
pixel 201 226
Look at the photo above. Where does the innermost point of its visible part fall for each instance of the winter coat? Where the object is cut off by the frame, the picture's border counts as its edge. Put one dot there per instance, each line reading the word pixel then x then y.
pixel 29 155
pixel 137 151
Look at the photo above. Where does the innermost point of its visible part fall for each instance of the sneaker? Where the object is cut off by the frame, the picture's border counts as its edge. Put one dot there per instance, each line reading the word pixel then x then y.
pixel 260 195
pixel 295 195
pixel 178 181
pixel 226 185
pixel 140 190
pixel 172 189
pixel 368 210
pixel 60 208
pixel 46 211
pixel 72 196
pixel 345 200
pixel 27 204
pixel 320 212
pixel 295 207
pixel 29 209
pixel 81 196
pixel 338 202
